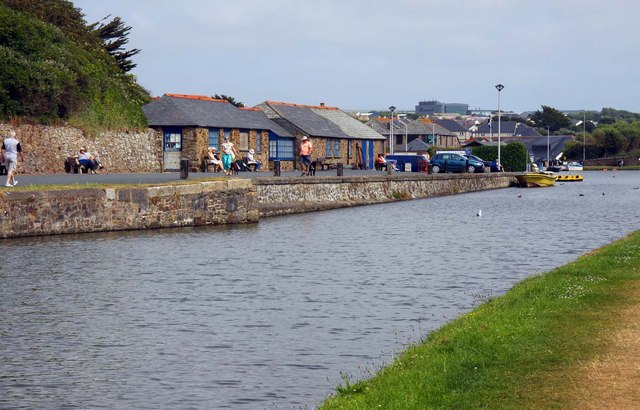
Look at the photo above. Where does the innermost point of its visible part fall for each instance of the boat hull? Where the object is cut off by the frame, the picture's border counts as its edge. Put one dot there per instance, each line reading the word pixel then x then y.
pixel 536 180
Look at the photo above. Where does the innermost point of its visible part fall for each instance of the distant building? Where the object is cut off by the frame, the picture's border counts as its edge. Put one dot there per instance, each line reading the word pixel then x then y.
pixel 437 107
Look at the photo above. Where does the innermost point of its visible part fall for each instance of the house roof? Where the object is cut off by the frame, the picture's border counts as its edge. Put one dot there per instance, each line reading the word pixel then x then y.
pixel 180 110
pixel 451 125
pixel 413 127
pixel 508 127
pixel 318 120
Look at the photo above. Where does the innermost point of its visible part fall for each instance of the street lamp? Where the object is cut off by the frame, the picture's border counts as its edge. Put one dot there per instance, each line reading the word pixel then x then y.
pixel 499 87
pixel 392 109
pixel 548 150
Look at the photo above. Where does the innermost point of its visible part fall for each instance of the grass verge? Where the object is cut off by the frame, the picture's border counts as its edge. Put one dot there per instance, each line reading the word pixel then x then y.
pixel 521 350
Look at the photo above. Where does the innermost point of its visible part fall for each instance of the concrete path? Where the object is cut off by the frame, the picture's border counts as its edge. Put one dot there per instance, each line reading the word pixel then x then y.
pixel 156 178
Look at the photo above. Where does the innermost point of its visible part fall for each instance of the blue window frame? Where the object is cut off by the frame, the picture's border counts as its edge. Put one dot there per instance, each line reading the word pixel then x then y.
pixel 336 148
pixel 328 148
pixel 348 148
pixel 172 139
pixel 214 138
pixel 280 148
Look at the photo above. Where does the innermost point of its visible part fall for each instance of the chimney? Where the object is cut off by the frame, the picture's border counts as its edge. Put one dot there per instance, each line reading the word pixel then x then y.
pixel 321 104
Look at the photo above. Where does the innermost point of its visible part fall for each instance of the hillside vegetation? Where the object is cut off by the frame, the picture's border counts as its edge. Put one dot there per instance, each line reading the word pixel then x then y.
pixel 55 69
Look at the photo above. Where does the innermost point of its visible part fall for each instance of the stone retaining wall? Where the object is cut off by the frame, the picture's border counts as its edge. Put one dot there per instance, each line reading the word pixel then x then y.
pixel 304 194
pixel 33 213
pixel 26 213
pixel 45 148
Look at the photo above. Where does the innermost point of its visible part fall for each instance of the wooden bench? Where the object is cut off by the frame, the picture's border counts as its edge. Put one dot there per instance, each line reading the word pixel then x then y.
pixel 71 164
pixel 209 167
pixel 320 164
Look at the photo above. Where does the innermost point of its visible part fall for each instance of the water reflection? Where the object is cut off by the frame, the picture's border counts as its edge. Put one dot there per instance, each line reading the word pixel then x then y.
pixel 268 315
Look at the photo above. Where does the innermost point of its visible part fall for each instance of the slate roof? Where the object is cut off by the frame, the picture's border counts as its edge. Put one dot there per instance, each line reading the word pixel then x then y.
pixel 451 125
pixel 179 110
pixel 414 127
pixel 318 120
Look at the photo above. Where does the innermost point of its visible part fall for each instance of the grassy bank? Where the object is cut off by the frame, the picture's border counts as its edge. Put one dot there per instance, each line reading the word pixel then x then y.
pixel 521 350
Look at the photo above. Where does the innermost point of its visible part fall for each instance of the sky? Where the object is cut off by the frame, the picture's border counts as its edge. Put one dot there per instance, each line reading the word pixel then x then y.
pixel 369 55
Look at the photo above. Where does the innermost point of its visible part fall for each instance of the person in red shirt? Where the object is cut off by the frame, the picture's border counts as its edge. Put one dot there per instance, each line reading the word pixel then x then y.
pixel 306 148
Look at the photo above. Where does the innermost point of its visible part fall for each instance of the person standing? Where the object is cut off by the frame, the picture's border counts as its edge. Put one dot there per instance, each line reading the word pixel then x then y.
pixel 228 155
pixel 306 148
pixel 11 149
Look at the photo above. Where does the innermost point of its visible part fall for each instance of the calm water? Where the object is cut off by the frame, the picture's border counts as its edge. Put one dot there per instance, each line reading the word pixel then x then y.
pixel 269 315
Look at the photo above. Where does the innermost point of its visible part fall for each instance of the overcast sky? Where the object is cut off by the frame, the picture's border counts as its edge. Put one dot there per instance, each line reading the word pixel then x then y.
pixel 366 55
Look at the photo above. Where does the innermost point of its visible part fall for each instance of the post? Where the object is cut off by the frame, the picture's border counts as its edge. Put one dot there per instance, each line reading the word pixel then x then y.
pixel 499 87
pixel 391 142
pixel 340 169
pixel 276 168
pixel 184 168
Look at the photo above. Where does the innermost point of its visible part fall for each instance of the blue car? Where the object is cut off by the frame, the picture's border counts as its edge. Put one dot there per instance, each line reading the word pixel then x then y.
pixel 451 162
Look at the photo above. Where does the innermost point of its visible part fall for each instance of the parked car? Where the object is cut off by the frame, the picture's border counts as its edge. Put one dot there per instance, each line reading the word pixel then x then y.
pixel 449 162
pixel 487 164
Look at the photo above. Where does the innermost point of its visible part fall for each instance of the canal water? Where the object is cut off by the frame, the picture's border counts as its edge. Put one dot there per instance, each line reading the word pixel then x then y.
pixel 274 314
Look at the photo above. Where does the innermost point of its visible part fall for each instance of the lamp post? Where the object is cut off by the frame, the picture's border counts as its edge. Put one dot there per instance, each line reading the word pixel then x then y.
pixel 548 150
pixel 499 87
pixel 584 135
pixel 392 109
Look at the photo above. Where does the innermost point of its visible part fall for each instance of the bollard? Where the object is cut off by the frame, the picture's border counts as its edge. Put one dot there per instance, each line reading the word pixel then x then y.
pixel 276 168
pixel 184 168
pixel 466 166
pixel 389 167
pixel 340 169
pixel 445 166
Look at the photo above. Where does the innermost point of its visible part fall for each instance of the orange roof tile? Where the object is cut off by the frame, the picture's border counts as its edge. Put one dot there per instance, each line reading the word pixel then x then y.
pixel 250 109
pixel 196 97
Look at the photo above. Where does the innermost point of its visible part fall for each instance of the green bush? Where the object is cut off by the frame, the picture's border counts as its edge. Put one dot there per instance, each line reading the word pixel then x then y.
pixel 62 74
pixel 514 155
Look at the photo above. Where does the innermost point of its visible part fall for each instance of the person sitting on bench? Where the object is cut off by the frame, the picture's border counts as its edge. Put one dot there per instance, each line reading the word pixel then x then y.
pixel 87 160
pixel 381 163
pixel 252 161
pixel 213 159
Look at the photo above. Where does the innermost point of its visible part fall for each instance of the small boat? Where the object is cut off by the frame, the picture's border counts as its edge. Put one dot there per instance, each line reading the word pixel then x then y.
pixel 574 166
pixel 536 179
pixel 569 178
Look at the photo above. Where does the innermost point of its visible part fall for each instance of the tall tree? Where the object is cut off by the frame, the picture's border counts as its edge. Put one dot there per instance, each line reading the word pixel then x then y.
pixel 228 98
pixel 114 35
pixel 550 118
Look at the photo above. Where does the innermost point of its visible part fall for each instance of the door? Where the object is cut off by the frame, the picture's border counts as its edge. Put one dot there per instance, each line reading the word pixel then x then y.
pixel 172 148
pixel 367 154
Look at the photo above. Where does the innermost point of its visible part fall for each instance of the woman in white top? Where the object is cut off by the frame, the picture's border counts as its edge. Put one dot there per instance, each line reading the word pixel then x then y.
pixel 252 161
pixel 228 155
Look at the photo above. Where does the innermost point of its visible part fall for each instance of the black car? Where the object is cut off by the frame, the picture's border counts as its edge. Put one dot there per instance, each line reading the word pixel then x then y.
pixel 487 164
pixel 451 162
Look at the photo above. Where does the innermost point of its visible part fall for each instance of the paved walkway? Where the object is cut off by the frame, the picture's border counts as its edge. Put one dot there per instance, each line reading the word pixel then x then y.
pixel 156 178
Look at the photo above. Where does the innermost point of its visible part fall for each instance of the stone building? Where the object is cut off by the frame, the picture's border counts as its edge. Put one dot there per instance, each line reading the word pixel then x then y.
pixel 336 136
pixel 188 125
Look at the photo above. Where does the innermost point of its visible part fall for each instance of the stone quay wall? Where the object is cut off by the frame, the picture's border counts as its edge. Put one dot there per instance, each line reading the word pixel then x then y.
pixel 304 194
pixel 45 148
pixel 35 213
pixel 229 201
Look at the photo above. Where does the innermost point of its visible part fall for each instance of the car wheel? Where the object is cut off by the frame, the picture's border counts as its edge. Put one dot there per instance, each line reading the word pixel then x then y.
pixel 435 169
pixel 471 169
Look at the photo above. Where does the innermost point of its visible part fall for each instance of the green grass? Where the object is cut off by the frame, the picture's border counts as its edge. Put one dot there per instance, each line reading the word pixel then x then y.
pixel 520 350
pixel 87 185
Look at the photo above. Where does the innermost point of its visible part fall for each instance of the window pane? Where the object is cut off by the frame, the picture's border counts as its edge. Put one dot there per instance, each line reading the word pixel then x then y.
pixel 244 140
pixel 214 138
pixel 329 148
pixel 259 142
pixel 336 148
